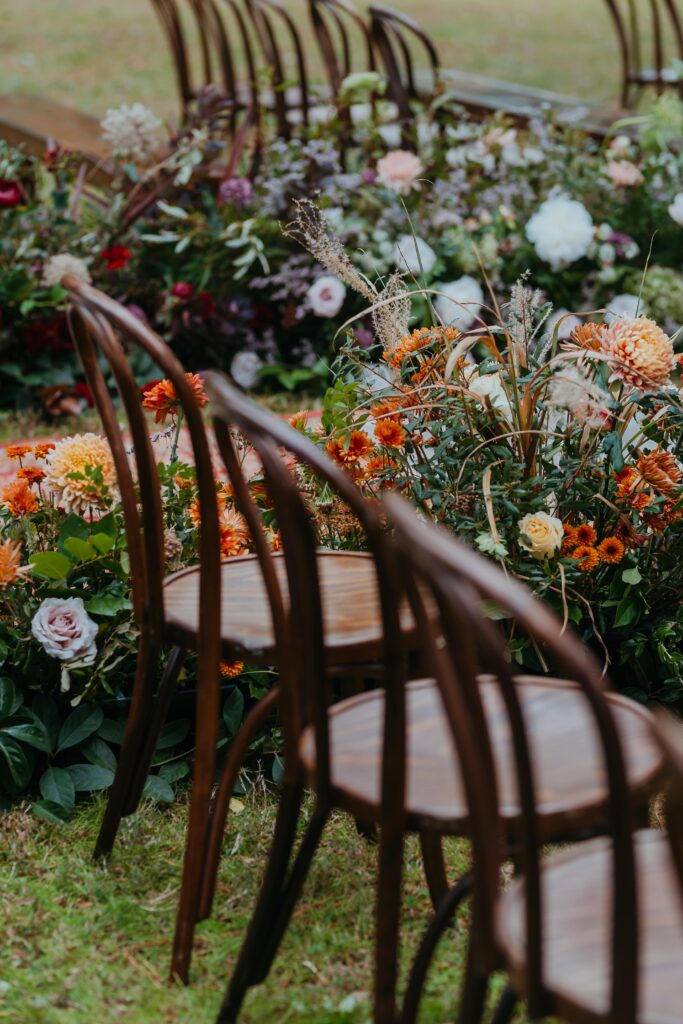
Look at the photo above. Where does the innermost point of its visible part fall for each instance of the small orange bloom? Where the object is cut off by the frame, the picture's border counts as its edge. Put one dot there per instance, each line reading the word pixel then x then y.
pixel 358 447
pixel 42 451
pixel 390 434
pixel 231 669
pixel 586 535
pixel 17 451
pixel 34 474
pixel 10 563
pixel 275 541
pixel 586 556
pixel 388 409
pixel 299 420
pixel 234 534
pixel 611 550
pixel 19 499
pixel 162 398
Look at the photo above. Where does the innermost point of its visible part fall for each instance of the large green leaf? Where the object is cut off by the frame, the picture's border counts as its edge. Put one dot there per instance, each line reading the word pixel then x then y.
pixel 80 724
pixel 10 697
pixel 112 729
pixel 45 708
pixel 30 730
pixel 89 777
pixel 158 789
pixel 14 761
pixel 80 549
pixel 56 786
pixel 107 605
pixel 51 811
pixel 73 526
pixel 51 564
pixel 172 733
pixel 233 711
pixel 97 751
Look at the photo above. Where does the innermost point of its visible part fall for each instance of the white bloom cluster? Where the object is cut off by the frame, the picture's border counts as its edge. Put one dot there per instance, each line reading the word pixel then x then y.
pixel 414 255
pixel 623 307
pixel 561 231
pixel 244 369
pixel 458 303
pixel 56 267
pixel 571 388
pixel 676 209
pixel 326 296
pixel 132 132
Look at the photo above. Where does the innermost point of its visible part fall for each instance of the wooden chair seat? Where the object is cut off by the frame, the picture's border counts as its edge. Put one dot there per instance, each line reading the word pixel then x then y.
pixel 566 751
pixel 577 891
pixel 353 622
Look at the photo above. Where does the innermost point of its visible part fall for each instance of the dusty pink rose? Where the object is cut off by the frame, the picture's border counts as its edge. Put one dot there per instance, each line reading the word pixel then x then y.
pixel 65 629
pixel 623 173
pixel 399 171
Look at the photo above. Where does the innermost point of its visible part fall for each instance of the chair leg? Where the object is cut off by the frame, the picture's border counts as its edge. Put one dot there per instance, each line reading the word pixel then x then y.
pixel 162 702
pixel 431 846
pixel 133 739
pixel 473 1000
pixel 221 806
pixel 389 890
pixel 442 918
pixel 250 962
pixel 506 1007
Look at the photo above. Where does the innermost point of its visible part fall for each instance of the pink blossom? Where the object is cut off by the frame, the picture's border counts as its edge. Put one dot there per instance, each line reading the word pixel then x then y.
pixel 399 171
pixel 623 173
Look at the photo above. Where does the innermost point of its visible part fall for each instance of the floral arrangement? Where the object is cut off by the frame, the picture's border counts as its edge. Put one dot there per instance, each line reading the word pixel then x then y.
pixel 68 641
pixel 556 453
pixel 189 234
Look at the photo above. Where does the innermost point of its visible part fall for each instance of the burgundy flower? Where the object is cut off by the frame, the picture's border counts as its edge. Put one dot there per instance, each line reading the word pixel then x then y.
pixel 51 335
pixel 116 257
pixel 10 193
pixel 207 305
pixel 182 290
pixel 82 390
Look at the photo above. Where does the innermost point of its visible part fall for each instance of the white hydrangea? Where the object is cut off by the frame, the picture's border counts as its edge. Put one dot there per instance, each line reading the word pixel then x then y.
pixel 572 388
pixel 56 267
pixel 244 369
pixel 132 132
pixel 561 231
pixel 676 209
pixel 624 307
pixel 412 254
pixel 459 302
pixel 490 387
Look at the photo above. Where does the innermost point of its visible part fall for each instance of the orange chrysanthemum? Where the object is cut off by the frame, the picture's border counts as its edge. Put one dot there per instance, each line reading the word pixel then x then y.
pixel 162 398
pixel 275 541
pixel 627 480
pixel 611 550
pixel 42 451
pixel 589 336
pixel 10 563
pixel 345 451
pixel 390 434
pixel 19 498
pixel 660 470
pixel 586 556
pixel 299 420
pixel 419 339
pixel 17 451
pixel 234 534
pixel 231 669
pixel 34 474
pixel 386 409
pixel 641 354
pixel 585 535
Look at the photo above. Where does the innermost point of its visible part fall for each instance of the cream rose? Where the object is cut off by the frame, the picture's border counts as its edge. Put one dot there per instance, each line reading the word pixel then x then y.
pixel 540 534
pixel 65 629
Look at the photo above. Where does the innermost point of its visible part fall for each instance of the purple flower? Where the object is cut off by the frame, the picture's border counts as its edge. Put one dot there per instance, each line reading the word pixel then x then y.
pixel 364 337
pixel 368 175
pixel 235 190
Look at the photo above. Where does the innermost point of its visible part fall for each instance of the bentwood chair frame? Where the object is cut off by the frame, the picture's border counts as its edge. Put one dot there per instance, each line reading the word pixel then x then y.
pixel 666 26
pixel 393 34
pixel 96 321
pixel 331 21
pixel 460 581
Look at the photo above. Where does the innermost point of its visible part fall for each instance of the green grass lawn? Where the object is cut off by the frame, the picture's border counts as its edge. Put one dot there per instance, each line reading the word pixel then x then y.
pixel 94 54
pixel 86 944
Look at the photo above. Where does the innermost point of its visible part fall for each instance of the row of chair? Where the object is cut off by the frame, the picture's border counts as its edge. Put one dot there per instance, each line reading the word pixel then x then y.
pixel 452 742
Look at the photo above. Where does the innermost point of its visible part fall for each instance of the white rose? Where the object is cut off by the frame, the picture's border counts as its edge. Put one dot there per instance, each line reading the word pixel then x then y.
pixel 459 302
pixel 244 369
pixel 676 209
pixel 65 629
pixel 623 307
pixel 489 386
pixel 561 231
pixel 414 255
pixel 326 295
pixel 541 534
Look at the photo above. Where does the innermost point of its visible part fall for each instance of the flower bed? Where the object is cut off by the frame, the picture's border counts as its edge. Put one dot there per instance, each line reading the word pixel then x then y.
pixel 193 242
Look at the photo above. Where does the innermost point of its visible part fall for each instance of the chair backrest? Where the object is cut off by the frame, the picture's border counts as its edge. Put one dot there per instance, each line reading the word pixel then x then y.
pixel 664 23
pixel 461 581
pixel 395 37
pixel 338 25
pixel 298 616
pixel 669 733
pixel 279 40
pixel 99 325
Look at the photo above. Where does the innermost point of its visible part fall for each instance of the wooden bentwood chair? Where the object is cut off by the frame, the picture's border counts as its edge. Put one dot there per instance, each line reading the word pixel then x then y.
pixel 220 609
pixel 666 29
pixel 594 933
pixel 386 756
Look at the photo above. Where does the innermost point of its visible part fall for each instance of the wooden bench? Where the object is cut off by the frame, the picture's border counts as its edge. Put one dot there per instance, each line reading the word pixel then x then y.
pixel 38 123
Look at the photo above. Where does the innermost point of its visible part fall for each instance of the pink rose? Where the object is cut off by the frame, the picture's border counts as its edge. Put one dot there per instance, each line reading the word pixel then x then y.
pixel 623 173
pixel 399 171
pixel 65 629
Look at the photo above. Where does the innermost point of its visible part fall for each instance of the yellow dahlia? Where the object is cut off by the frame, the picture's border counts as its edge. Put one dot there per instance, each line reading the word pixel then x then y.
pixel 641 354
pixel 81 473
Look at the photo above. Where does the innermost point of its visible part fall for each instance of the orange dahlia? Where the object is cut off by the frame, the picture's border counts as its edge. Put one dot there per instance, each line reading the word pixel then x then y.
pixel 10 563
pixel 586 556
pixel 611 550
pixel 234 534
pixel 589 336
pixel 390 434
pixel 641 354
pixel 586 535
pixel 419 339
pixel 34 474
pixel 17 451
pixel 660 470
pixel 162 398
pixel 19 498
pixel 41 451
pixel 231 669
pixel 386 409
pixel 348 451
